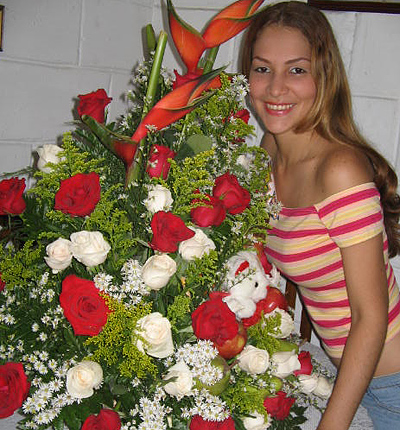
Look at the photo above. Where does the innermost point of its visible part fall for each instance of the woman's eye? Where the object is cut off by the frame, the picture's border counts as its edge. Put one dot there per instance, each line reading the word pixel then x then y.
pixel 261 69
pixel 297 71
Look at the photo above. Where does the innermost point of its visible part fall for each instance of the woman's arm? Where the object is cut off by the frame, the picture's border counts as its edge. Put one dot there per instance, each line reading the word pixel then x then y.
pixel 364 270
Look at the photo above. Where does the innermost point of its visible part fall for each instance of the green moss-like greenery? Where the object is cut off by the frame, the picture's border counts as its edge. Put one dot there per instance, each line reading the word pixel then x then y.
pixel 260 333
pixel 116 343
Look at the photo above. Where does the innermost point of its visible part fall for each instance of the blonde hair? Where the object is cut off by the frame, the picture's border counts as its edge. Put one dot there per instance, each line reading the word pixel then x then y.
pixel 331 114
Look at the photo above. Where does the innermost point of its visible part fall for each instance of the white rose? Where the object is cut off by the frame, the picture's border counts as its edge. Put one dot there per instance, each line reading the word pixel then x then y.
pixel 158 199
pixel 287 324
pixel 59 254
pixel 48 153
pixel 308 383
pixel 82 378
pixel 253 360
pixel 156 333
pixel 285 363
pixel 324 388
pixel 245 160
pixel 183 382
pixel 89 247
pixel 196 246
pixel 158 270
pixel 256 422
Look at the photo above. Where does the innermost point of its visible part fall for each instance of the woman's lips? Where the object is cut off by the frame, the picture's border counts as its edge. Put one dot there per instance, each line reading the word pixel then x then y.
pixel 278 109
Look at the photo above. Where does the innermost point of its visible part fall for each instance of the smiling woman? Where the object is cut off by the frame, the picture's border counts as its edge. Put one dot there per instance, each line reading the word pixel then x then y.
pixel 335 231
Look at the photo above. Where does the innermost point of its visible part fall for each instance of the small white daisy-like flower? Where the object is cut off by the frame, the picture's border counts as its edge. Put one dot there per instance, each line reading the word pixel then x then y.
pixel 9 319
pixel 36 381
pixel 52 364
pixel 43 355
pixel 42 336
pixel 46 319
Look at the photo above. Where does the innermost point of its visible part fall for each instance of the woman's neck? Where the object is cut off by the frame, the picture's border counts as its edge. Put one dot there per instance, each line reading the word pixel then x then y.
pixel 291 149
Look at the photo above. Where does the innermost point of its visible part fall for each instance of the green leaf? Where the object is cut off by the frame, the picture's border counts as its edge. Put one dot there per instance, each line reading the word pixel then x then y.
pixel 195 144
pixel 150 38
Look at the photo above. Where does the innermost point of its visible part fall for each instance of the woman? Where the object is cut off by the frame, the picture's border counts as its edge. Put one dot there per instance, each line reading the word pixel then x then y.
pixel 330 237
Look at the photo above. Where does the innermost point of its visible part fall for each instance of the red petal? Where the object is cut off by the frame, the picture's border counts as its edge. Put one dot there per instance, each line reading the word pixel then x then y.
pixel 230 22
pixel 126 151
pixel 188 41
pixel 174 105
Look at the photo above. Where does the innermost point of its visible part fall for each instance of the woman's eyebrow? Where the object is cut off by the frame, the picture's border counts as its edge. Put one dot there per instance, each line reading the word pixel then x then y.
pixel 293 60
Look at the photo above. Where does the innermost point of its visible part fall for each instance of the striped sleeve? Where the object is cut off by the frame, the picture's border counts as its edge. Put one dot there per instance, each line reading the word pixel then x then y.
pixel 352 216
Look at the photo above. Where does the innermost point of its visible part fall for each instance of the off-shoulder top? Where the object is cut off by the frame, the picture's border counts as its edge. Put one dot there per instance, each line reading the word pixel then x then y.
pixel 305 243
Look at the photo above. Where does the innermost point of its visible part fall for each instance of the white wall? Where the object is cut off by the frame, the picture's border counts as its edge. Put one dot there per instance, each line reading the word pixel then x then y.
pixel 54 50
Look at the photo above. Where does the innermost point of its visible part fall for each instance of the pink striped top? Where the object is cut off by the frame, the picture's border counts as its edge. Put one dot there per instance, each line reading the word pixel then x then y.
pixel 305 243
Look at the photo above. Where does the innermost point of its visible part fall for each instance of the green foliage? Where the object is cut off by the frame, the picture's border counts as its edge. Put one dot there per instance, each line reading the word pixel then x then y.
pixel 202 275
pixel 245 396
pixel 23 266
pixel 115 225
pixel 293 421
pixel 260 333
pixel 187 177
pixel 116 343
pixel 179 309
pixel 72 162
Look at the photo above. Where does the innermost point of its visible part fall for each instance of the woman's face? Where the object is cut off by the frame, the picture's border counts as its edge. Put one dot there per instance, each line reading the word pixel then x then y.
pixel 282 88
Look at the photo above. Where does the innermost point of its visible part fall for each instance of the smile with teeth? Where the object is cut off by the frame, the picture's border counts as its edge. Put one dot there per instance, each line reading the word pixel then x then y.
pixel 281 107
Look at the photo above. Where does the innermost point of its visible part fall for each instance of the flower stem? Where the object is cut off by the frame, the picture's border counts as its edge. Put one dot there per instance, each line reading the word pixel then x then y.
pixel 155 72
pixel 135 169
pixel 210 60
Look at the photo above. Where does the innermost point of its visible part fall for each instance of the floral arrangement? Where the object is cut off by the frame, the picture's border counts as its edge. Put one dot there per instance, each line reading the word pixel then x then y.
pixel 134 290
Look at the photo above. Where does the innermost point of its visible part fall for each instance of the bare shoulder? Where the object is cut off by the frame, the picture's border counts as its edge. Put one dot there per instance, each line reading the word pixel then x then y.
pixel 343 167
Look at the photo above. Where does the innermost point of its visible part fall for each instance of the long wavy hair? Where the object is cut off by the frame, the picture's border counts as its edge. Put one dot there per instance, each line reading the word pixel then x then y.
pixel 331 114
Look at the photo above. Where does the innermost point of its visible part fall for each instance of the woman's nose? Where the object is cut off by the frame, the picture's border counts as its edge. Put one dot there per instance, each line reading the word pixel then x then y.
pixel 277 85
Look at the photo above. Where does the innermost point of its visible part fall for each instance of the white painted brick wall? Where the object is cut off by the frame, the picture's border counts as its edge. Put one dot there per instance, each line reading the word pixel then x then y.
pixel 54 50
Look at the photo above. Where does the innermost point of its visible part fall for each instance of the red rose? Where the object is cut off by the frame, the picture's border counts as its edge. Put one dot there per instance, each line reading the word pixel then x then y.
pixel 78 195
pixel 234 197
pixel 197 423
pixel 2 284
pixel 11 200
pixel 158 161
pixel 14 388
pixel 242 114
pixel 274 299
pixel 279 405
pixel 105 420
pixel 93 104
pixel 212 213
pixel 168 230
pixel 214 320
pixel 83 306
pixel 306 364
